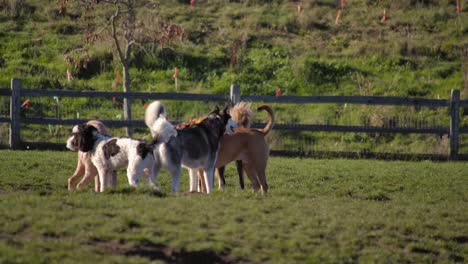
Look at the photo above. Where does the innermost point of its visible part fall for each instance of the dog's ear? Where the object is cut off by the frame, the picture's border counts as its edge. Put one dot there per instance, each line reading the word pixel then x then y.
pixel 87 137
pixel 225 110
pixel 230 103
pixel 76 129
pixel 215 110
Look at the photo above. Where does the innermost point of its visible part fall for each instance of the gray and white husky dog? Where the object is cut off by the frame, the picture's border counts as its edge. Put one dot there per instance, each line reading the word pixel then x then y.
pixel 194 145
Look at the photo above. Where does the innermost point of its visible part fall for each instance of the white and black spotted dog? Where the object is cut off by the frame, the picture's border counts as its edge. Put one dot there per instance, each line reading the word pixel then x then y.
pixel 85 169
pixel 109 154
pixel 194 146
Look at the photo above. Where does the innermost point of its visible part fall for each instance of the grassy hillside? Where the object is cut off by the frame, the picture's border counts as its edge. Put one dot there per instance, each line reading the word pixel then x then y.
pixel 317 211
pixel 260 44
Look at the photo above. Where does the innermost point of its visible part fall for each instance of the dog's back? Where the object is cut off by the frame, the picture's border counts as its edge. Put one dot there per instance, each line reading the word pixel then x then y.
pixel 120 151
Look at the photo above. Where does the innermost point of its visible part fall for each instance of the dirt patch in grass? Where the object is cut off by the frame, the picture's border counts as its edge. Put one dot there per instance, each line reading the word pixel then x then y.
pixel 461 239
pixel 421 250
pixel 154 251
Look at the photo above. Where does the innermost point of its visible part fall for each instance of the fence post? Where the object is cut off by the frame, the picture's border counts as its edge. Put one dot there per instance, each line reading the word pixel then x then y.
pixel 15 110
pixel 235 94
pixel 454 123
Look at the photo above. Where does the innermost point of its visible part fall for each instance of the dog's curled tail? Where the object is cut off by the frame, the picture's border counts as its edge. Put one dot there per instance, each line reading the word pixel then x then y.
pixel 271 120
pixel 101 128
pixel 162 130
pixel 153 111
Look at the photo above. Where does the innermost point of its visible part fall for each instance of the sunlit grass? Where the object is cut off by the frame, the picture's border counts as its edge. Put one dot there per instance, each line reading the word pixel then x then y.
pixel 316 211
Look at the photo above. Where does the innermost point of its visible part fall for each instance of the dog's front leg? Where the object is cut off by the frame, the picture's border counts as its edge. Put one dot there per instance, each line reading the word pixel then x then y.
pixel 146 174
pixel 114 179
pixel 97 184
pixel 80 170
pixel 90 173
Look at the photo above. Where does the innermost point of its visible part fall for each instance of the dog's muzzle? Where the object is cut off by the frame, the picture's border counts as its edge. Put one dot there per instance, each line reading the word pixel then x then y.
pixel 231 124
pixel 71 144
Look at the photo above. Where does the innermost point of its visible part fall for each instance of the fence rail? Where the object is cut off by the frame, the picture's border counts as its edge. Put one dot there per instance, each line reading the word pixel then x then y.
pixel 367 100
pixel 453 104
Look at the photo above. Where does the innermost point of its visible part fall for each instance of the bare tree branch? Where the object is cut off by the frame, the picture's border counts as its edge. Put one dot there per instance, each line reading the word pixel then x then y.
pixel 114 36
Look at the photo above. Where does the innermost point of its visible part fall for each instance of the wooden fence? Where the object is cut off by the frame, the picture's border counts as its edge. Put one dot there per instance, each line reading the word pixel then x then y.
pixel 453 130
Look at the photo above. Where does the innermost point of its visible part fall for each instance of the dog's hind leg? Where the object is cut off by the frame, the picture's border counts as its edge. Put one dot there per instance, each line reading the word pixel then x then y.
pixel 260 169
pixel 194 186
pixel 201 181
pixel 262 180
pixel 104 178
pixel 152 174
pixel 209 177
pixel 252 175
pixel 221 179
pixel 240 172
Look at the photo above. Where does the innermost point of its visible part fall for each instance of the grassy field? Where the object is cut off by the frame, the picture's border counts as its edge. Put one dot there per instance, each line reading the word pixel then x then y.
pixel 332 211
pixel 262 45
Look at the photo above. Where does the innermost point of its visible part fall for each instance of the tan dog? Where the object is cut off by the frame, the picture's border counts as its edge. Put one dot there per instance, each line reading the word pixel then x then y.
pixel 250 146
pixel 85 167
pixel 242 114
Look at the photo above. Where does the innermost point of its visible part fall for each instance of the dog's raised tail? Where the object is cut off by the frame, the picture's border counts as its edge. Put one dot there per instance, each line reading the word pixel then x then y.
pixel 162 130
pixel 271 120
pixel 153 111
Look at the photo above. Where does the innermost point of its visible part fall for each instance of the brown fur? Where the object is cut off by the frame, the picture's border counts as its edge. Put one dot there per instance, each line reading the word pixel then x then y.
pixel 85 167
pixel 242 114
pixel 250 146
pixel 190 123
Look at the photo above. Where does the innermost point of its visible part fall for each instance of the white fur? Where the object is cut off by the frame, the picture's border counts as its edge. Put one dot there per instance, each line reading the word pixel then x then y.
pixel 165 149
pixel 127 157
pixel 162 130
pixel 85 169
pixel 70 145
pixel 153 112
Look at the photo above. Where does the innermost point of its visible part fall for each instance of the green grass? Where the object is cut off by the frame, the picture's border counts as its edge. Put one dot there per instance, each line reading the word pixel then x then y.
pixel 259 44
pixel 340 211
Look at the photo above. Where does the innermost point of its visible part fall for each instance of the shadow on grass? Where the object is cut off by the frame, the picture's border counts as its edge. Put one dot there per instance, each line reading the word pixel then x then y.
pixel 132 190
pixel 153 251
